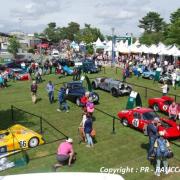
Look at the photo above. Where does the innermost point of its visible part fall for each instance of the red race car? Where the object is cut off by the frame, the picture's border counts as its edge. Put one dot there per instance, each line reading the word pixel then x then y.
pixel 140 117
pixel 162 104
pixel 19 74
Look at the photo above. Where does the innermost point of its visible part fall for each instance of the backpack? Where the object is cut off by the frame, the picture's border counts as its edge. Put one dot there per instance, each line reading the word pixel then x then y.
pixel 162 145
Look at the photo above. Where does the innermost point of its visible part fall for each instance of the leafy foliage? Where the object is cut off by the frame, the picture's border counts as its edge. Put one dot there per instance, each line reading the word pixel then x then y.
pixel 13 46
pixel 72 32
pixel 152 22
pixel 156 30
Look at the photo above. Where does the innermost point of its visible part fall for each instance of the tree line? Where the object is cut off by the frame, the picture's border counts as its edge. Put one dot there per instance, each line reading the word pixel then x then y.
pixel 157 30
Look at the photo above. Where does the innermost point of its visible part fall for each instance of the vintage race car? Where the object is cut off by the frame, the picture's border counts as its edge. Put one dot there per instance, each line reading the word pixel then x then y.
pixel 148 74
pixel 162 104
pixel 140 117
pixel 165 78
pixel 75 91
pixel 116 87
pixel 19 74
pixel 18 137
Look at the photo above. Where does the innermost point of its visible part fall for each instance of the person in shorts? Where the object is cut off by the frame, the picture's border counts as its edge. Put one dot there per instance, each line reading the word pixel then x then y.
pixel 65 153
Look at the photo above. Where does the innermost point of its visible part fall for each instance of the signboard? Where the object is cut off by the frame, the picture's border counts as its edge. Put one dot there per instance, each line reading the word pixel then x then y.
pixel 124 38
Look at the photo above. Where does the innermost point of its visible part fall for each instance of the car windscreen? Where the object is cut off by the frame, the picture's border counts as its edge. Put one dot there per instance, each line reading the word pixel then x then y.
pixel 149 115
pixel 165 125
pixel 167 102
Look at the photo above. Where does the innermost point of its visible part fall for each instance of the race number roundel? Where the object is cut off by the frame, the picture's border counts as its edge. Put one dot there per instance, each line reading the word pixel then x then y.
pixel 135 122
pixel 165 107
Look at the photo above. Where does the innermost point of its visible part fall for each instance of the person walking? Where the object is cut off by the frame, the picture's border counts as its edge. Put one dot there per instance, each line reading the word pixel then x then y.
pixel 65 154
pixel 50 90
pixel 161 146
pixel 87 130
pixel 62 100
pixel 34 88
pixel 152 132
pixel 165 89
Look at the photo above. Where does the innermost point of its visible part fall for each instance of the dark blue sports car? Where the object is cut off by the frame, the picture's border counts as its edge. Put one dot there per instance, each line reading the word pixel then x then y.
pixel 75 90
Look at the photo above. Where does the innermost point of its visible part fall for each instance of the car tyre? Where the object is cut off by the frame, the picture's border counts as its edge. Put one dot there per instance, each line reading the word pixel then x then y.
pixel 94 86
pixel 33 142
pixel 114 92
pixel 78 102
pixel 156 107
pixel 124 122
pixel 151 77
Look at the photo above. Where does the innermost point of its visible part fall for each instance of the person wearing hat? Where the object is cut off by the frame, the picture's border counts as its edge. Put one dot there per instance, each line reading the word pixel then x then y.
pixel 34 88
pixel 161 146
pixel 65 153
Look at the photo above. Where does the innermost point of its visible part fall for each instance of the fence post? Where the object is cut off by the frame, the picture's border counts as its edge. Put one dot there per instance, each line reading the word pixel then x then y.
pixel 145 92
pixel 41 128
pixel 175 98
pixel 104 70
pixel 12 113
pixel 113 128
pixel 116 70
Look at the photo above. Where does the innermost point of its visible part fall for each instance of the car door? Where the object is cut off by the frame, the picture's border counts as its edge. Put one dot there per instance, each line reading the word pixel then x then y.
pixel 137 120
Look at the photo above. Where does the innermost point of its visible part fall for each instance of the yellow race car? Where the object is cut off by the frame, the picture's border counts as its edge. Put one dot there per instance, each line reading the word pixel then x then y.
pixel 18 137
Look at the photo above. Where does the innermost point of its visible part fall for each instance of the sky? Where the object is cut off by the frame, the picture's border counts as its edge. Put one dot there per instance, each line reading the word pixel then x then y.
pixel 33 15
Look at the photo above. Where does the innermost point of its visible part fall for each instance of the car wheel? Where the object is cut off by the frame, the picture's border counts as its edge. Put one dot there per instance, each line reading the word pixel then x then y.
pixel 78 102
pixel 94 86
pixel 33 142
pixel 156 107
pixel 129 89
pixel 145 130
pixel 124 122
pixel 95 97
pixel 151 77
pixel 114 92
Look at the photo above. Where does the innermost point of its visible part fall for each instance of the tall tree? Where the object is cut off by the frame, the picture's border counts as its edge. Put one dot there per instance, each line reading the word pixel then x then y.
pixel 51 32
pixel 152 22
pixel 172 31
pixel 175 16
pixel 13 46
pixel 89 34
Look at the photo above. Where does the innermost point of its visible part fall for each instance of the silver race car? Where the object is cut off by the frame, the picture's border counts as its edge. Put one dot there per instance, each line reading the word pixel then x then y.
pixel 116 87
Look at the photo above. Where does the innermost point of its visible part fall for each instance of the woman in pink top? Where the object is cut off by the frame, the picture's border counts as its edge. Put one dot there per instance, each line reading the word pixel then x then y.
pixel 173 112
pixel 65 154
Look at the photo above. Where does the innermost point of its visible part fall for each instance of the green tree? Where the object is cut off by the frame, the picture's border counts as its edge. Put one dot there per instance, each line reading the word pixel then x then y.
pixel 89 34
pixel 175 16
pixel 151 38
pixel 51 32
pixel 173 33
pixel 152 22
pixel 13 46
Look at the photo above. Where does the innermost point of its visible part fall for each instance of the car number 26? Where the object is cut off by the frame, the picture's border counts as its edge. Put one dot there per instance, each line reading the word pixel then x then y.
pixel 22 143
pixel 135 122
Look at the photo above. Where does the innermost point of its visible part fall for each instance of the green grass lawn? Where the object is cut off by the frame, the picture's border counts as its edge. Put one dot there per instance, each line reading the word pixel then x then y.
pixel 127 147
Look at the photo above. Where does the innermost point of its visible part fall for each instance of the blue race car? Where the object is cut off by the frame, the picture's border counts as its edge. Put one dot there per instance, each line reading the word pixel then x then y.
pixel 149 74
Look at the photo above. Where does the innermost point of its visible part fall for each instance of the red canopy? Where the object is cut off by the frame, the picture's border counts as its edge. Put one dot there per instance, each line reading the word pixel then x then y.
pixel 43 45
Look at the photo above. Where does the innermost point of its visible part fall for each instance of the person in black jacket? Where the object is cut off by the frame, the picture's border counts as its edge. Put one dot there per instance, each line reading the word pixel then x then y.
pixel 152 132
pixel 88 130
pixel 34 92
